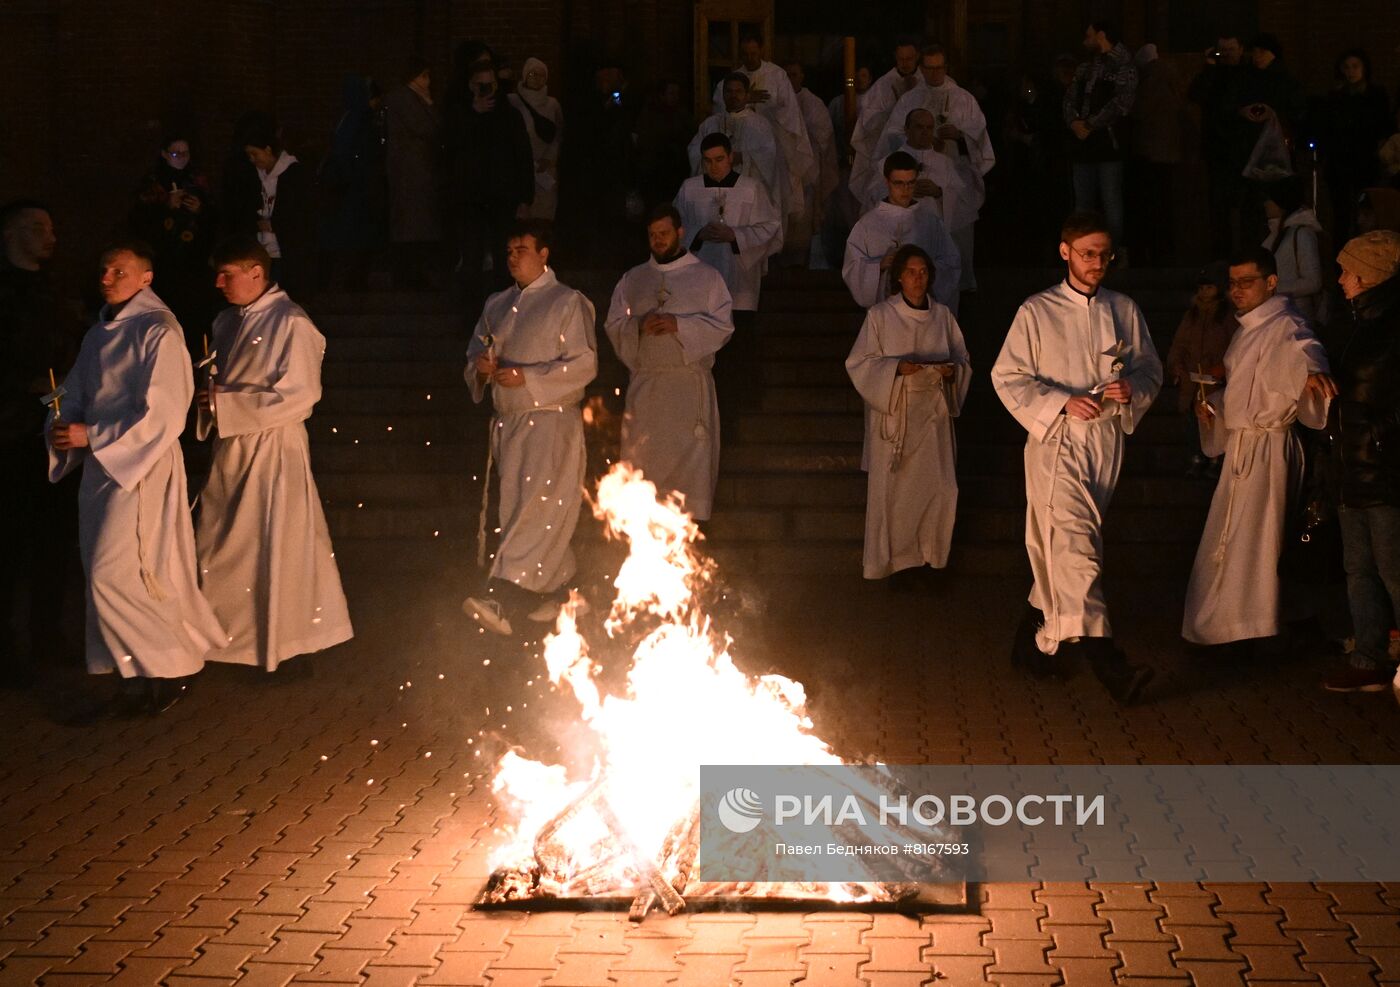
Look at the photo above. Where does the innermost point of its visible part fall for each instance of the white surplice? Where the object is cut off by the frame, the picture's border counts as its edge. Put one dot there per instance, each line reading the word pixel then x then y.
pixel 887 227
pixel 909 453
pixel 546 331
pixel 1062 344
pixel 265 558
pixel 958 204
pixel 132 386
pixel 875 108
pixel 827 172
pixel 746 208
pixel 1234 590
pixel 670 430
pixel 781 110
pixel 949 103
pixel 757 152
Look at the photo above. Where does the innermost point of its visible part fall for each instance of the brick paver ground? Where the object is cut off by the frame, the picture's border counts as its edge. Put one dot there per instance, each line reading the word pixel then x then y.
pixel 334 830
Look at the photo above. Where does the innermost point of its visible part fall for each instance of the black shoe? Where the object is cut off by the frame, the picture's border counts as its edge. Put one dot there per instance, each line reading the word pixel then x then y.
pixel 162 694
pixel 1024 652
pixel 1123 679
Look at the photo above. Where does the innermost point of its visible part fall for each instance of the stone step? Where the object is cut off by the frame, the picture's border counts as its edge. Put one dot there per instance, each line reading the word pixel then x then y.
pixel 403 399
pixel 363 428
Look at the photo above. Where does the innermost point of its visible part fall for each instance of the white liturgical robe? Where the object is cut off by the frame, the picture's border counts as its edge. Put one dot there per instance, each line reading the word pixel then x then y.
pixel 910 452
pixel 744 207
pixel 132 386
pixel 1234 590
pixel 782 111
pixel 265 557
pixel 827 172
pixel 670 430
pixel 1061 344
pixel 875 107
pixel 888 227
pixel 544 330
pixel 949 103
pixel 756 150
pixel 957 205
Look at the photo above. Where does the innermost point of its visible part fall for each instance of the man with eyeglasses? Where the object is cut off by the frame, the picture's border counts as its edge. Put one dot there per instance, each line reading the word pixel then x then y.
pixel 1275 374
pixel 1078 370
pixel 897 221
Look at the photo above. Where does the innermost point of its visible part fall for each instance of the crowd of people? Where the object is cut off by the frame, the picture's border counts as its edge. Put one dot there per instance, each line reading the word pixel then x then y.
pixel 886 182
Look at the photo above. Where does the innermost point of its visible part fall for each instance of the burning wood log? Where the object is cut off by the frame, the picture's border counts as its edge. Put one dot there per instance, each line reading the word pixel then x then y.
pixel 670 899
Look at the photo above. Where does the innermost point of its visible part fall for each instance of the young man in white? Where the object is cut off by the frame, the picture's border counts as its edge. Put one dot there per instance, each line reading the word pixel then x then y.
pixel 1275 374
pixel 1078 370
pixel 534 347
pixel 911 367
pixel 120 420
pixel 755 147
pixel 265 556
pixel 667 320
pixel 898 220
pixel 875 108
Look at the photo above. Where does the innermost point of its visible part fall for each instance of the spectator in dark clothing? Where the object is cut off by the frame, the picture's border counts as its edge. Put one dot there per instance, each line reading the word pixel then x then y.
pixel 1225 139
pixel 352 186
pixel 174 215
pixel 240 192
pixel 1353 121
pixel 1095 107
pixel 663 133
pixel 1367 428
pixel 413 143
pixel 1156 141
pixel 1268 94
pixel 285 221
pixel 492 178
pixel 40 332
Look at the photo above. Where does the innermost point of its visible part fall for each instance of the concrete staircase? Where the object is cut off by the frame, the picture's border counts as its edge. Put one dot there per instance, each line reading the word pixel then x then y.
pixel 399 449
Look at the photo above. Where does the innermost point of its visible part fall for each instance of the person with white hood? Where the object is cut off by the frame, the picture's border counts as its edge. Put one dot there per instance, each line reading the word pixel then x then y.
pixel 544 122
pixel 286 218
pixel 1292 239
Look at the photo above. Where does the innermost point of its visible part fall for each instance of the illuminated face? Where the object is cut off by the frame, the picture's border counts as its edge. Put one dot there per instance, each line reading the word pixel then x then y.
pixel 736 96
pixel 1250 287
pixel 901 185
pixel 919 130
pixel 934 68
pixel 1352 285
pixel 1207 294
pixel 751 54
pixel 718 163
pixel 525 259
pixel 123 275
pixel 241 283
pixel 1353 70
pixel 663 237
pixel 177 154
pixel 913 280
pixel 906 59
pixel 1088 258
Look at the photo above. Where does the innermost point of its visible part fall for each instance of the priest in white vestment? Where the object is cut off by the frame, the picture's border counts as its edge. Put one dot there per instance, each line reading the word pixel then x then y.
pixel 961 129
pixel 940 186
pixel 823 180
pixel 911 367
pixel 1275 374
pixel 879 100
pixel 265 558
pixel 1078 370
pixel 771 94
pixel 898 220
pixel 534 347
pixel 120 417
pixel 667 319
pixel 756 150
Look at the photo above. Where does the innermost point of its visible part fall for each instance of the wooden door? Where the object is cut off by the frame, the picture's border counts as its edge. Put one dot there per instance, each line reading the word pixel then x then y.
pixel 718 26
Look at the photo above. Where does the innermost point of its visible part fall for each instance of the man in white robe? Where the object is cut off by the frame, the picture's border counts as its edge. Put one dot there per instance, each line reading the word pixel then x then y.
pixel 265 558
pixel 875 109
pixel 836 110
pixel 911 367
pixel 1078 370
pixel 961 128
pixel 822 182
pixel 940 186
pixel 667 320
pixel 1275 374
pixel 756 150
pixel 898 220
pixel 733 226
pixel 534 347
pixel 771 94
pixel 120 419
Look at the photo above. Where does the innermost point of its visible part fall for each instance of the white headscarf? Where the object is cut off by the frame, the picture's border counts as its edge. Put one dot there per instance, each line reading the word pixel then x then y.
pixel 537 98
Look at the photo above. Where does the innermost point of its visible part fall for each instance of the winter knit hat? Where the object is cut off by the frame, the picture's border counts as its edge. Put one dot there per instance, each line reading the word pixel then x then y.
pixel 1373 257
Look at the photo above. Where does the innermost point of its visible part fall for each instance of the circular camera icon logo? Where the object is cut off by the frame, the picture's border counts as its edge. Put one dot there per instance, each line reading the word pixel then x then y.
pixel 740 810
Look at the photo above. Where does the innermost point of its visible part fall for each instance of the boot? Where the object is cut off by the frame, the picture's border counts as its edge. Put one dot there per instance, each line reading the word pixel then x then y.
pixel 1024 653
pixel 1123 679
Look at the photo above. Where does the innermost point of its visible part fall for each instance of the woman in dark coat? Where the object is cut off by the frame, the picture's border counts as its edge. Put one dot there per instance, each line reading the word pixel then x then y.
pixel 414 151
pixel 286 219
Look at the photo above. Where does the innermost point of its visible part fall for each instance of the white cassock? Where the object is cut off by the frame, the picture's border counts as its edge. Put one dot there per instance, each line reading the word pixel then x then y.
pixel 131 386
pixel 781 110
pixel 1062 344
pixel 758 228
pixel 546 331
pixel 957 206
pixel 887 227
pixel 1234 590
pixel 757 152
pixel 950 103
pixel 265 556
pixel 823 142
pixel 876 104
pixel 670 430
pixel 910 452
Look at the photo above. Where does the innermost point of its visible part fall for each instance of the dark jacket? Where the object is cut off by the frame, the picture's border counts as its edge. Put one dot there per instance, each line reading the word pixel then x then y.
pixel 1368 402
pixel 39 331
pixel 1226 137
pixel 1102 95
pixel 490 154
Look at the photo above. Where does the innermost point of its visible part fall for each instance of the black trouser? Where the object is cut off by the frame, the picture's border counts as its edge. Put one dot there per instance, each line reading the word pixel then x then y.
pixel 482 227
